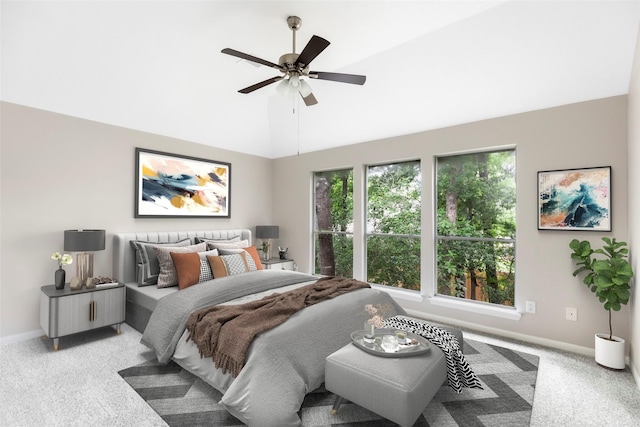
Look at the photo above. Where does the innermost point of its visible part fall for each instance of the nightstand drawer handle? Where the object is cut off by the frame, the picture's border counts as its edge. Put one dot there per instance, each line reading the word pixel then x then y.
pixel 93 311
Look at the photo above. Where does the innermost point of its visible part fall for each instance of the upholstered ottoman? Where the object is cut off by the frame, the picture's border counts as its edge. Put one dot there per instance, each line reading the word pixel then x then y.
pixel 398 389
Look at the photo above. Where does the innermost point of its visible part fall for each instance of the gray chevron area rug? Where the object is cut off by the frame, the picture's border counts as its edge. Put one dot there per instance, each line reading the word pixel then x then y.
pixel 508 378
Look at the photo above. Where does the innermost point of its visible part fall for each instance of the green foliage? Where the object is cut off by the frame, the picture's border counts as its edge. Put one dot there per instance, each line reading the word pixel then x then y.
pixel 340 205
pixel 394 261
pixel 394 208
pixel 341 198
pixel 608 278
pixel 393 198
pixel 343 251
pixel 484 186
pixel 476 202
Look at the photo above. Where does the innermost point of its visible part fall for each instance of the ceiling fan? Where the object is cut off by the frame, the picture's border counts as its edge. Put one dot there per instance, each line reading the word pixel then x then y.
pixel 293 66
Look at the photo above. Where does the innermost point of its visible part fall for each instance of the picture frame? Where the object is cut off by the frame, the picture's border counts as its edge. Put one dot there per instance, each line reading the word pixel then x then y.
pixel 176 186
pixel 575 199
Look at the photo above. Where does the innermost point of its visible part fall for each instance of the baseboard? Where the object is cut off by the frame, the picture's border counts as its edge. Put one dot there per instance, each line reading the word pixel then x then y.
pixel 21 337
pixel 558 345
pixel 636 375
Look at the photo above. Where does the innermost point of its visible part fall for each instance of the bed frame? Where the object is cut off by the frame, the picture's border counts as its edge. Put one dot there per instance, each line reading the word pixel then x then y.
pixel 141 300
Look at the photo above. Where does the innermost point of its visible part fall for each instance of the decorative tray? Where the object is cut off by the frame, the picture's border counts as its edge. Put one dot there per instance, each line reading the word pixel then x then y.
pixel 415 344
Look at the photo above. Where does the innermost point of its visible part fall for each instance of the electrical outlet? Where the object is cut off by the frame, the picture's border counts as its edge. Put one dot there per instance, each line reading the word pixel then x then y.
pixel 572 313
pixel 530 307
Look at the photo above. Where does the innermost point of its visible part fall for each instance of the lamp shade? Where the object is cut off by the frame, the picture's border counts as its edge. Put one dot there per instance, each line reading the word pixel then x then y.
pixel 84 240
pixel 267 231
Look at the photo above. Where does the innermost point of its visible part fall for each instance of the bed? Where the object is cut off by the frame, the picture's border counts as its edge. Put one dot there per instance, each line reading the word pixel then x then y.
pixel 142 300
pixel 282 364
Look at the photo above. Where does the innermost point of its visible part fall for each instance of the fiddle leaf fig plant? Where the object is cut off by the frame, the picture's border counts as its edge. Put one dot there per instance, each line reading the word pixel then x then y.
pixel 608 272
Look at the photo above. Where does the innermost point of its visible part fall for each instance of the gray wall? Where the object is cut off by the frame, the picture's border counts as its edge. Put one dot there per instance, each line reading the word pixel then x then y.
pixel 59 172
pixel 574 136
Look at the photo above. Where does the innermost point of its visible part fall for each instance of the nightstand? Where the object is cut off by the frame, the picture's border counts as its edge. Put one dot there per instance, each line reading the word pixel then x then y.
pixel 65 312
pixel 278 264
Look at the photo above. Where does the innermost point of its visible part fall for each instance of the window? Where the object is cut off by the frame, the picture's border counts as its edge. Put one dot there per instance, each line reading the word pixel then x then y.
pixel 393 225
pixel 476 226
pixel 333 223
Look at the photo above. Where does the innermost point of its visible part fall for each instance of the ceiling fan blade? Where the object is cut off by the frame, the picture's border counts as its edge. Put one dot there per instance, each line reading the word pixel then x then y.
pixel 260 85
pixel 251 58
pixel 309 100
pixel 338 77
pixel 315 46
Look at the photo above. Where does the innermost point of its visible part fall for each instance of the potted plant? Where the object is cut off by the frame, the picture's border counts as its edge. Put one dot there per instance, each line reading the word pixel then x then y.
pixel 608 276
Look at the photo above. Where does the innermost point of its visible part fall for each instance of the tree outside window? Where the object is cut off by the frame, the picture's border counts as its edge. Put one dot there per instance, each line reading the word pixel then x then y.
pixel 393 224
pixel 476 226
pixel 333 228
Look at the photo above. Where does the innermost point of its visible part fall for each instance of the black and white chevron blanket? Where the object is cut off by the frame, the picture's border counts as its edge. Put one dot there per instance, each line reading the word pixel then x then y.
pixel 459 373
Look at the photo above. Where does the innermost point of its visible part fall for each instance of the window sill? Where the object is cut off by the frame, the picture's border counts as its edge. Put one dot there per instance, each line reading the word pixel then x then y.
pixel 399 293
pixel 479 308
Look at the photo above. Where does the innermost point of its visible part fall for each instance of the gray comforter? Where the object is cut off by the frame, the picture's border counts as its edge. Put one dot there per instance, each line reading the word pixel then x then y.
pixel 283 364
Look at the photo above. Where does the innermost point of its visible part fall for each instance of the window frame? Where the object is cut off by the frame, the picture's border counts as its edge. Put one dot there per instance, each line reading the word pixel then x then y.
pixel 412 294
pixel 316 232
pixel 464 304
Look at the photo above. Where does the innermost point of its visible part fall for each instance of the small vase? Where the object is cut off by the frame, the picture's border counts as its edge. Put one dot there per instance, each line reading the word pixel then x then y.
pixel 369 332
pixel 60 278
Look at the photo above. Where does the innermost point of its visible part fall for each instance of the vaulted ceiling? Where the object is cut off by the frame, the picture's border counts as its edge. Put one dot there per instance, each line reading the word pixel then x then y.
pixel 156 66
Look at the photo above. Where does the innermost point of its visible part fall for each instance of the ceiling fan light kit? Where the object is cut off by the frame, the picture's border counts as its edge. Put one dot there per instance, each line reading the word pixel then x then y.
pixel 294 66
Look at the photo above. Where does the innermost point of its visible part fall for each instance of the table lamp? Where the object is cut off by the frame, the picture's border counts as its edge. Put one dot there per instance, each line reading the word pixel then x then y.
pixel 266 233
pixel 84 241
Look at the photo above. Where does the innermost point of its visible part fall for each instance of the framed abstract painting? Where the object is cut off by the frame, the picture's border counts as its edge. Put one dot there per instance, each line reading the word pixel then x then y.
pixel 575 199
pixel 171 185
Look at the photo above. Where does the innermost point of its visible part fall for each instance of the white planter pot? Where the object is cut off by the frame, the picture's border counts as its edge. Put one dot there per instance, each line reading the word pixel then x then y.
pixel 610 353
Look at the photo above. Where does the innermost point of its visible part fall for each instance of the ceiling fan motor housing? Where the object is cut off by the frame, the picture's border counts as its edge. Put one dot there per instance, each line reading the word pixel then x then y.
pixel 288 61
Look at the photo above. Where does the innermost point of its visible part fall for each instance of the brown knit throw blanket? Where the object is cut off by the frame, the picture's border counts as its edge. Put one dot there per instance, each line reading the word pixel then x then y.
pixel 224 332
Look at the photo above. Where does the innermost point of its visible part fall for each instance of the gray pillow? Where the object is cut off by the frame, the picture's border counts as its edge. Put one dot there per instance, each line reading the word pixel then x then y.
pixel 198 239
pixel 148 268
pixel 168 275
pixel 228 245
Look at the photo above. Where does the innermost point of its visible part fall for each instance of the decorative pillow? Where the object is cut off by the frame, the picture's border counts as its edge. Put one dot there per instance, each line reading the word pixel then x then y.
pixel 233 245
pixel 253 260
pixel 168 276
pixel 210 240
pixel 205 268
pixel 148 268
pixel 192 268
pixel 228 265
pixel 205 271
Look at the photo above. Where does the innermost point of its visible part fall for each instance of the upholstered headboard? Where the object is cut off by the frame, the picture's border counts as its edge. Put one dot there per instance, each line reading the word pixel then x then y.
pixel 124 256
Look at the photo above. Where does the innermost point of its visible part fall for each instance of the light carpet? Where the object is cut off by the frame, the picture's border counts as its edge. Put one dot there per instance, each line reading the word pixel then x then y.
pixel 508 378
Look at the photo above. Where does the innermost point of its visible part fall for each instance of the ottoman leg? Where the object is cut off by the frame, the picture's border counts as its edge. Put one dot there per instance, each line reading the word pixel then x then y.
pixel 336 405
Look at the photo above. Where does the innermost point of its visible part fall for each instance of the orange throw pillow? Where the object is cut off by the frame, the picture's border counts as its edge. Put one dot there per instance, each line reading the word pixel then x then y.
pixel 256 257
pixel 187 268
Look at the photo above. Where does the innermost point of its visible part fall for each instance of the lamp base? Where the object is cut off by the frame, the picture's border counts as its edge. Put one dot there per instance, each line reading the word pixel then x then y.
pixel 84 266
